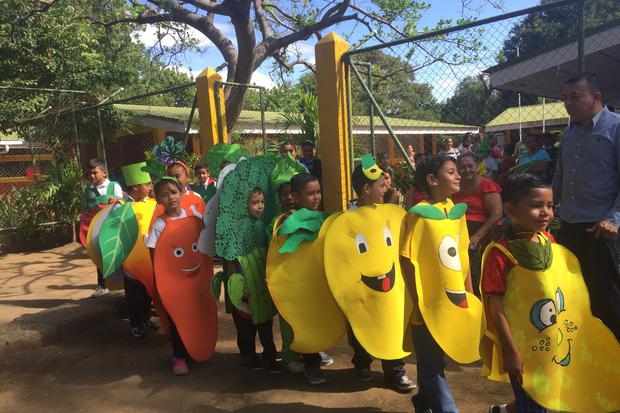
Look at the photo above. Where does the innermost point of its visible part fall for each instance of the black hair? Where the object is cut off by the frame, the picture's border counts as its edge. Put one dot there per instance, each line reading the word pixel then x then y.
pixel 358 180
pixel 308 143
pixel 96 163
pixel 382 155
pixel 509 149
pixel 592 80
pixel 299 181
pixel 536 136
pixel 519 185
pixel 282 186
pixel 256 190
pixel 165 181
pixel 287 142
pixel 201 165
pixel 430 166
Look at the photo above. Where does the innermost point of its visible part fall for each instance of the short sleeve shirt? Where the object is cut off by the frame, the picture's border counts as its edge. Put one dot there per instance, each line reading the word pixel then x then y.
pixel 541 155
pixel 496 268
pixel 158 227
pixel 475 200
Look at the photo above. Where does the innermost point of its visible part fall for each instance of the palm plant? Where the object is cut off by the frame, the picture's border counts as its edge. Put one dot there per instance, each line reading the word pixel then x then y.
pixel 306 118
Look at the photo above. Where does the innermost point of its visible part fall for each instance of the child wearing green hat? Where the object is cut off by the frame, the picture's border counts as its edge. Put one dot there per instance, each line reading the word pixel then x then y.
pixel 137 268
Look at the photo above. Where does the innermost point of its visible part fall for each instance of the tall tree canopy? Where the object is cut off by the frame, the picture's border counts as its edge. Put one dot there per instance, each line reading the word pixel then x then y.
pixel 262 30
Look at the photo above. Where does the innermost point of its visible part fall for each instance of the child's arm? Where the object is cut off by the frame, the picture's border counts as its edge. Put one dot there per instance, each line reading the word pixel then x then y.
pixel 468 284
pixel 513 363
pixel 408 271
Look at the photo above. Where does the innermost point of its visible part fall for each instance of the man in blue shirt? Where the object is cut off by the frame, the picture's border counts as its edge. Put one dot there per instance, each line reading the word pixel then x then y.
pixel 587 186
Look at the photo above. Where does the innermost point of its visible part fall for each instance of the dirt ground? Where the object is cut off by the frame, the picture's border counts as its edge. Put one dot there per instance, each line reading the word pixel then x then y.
pixel 104 369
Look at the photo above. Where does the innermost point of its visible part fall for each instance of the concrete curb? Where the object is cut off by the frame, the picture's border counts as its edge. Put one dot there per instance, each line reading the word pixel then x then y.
pixel 32 331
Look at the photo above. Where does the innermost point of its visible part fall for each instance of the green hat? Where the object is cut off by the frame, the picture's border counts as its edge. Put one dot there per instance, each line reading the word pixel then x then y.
pixel 135 174
pixel 370 167
pixel 286 168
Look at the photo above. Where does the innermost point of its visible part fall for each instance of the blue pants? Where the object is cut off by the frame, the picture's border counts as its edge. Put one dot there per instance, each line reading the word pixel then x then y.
pixel 524 402
pixel 433 390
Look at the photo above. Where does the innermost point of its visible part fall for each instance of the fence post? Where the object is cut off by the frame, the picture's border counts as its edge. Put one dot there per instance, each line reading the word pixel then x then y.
pixel 581 35
pixel 331 84
pixel 208 109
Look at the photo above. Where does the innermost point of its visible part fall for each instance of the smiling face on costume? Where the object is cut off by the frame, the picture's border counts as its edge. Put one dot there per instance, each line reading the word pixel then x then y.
pixel 363 271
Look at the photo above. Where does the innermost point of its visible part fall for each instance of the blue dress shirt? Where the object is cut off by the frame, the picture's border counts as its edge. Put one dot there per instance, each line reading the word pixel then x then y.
pixel 587 177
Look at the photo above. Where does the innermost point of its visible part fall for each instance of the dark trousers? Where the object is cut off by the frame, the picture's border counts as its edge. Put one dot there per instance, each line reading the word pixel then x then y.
pixel 525 404
pixel 178 348
pixel 313 359
pixel 392 369
pixel 599 272
pixel 138 301
pixel 246 337
pixel 100 280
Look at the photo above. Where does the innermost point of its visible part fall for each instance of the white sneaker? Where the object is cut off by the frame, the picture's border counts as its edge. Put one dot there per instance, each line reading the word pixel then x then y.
pixel 99 292
pixel 326 359
pixel 295 366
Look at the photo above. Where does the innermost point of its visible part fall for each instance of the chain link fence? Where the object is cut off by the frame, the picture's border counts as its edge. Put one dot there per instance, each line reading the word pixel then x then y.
pixel 498 79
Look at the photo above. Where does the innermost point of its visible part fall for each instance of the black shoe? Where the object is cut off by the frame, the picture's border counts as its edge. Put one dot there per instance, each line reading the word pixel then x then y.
pixel 149 327
pixel 137 331
pixel 273 366
pixel 255 363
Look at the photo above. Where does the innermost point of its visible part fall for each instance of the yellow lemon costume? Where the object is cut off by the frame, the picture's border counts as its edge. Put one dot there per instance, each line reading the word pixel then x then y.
pixel 138 263
pixel 363 271
pixel 436 242
pixel 299 289
pixel 571 361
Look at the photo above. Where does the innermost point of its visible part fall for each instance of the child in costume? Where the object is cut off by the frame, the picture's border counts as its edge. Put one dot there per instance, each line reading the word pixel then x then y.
pixel 190 200
pixel 447 317
pixel 370 185
pixel 206 185
pixel 137 267
pixel 182 279
pixel 540 330
pixel 295 303
pixel 240 239
pixel 96 196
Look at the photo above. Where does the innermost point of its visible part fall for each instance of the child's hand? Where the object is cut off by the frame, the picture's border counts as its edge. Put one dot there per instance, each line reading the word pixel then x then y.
pixel 513 365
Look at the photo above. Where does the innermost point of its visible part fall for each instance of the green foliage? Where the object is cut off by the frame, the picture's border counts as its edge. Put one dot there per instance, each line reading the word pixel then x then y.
pixel 473 92
pixel 403 177
pixel 306 117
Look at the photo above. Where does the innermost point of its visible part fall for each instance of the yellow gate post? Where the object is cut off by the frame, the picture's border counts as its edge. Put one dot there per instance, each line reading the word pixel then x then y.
pixel 207 109
pixel 331 83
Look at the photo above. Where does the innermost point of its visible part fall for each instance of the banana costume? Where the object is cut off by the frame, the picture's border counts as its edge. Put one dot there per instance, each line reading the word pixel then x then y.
pixel 437 247
pixel 571 361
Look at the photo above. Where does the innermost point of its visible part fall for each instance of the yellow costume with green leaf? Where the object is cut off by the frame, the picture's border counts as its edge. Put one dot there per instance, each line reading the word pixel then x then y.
pixel 571 361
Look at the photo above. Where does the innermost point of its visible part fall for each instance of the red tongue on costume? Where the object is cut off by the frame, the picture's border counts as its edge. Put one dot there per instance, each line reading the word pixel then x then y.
pixel 463 303
pixel 385 284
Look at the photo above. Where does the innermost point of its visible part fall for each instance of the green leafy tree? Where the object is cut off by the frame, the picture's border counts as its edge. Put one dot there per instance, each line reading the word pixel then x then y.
pixel 473 92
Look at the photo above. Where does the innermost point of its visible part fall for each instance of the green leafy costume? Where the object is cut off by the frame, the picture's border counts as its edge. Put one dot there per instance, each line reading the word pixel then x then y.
pixel 243 238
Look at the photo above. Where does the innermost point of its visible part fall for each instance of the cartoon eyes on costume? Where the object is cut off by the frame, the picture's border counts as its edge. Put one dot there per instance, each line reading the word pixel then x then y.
pixel 545 312
pixel 361 243
pixel 387 235
pixel 194 247
pixel 448 253
pixel 178 252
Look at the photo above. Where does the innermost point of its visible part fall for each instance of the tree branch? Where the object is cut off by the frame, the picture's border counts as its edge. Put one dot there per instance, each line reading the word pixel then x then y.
pixel 261 19
pixel 289 65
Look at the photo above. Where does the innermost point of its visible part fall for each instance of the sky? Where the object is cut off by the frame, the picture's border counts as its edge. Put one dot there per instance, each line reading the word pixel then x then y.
pixel 193 63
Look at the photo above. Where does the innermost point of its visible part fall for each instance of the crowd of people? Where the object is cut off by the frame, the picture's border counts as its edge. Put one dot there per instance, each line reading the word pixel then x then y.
pixel 468 269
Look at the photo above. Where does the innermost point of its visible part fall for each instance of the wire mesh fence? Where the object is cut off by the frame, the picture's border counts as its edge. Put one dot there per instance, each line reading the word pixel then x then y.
pixel 483 86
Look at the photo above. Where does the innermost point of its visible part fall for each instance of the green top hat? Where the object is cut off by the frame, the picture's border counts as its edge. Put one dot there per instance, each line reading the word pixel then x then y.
pixel 135 174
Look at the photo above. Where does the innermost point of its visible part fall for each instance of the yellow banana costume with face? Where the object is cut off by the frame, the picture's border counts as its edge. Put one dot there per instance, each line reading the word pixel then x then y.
pixel 299 289
pixel 437 242
pixel 364 276
pixel 571 361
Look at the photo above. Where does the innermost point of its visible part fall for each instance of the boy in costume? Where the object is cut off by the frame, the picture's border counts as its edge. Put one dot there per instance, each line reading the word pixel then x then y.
pixel 205 187
pixel 296 277
pixel 182 279
pixel 370 185
pixel 137 267
pixel 96 196
pixel 541 334
pixel 447 317
pixel 245 205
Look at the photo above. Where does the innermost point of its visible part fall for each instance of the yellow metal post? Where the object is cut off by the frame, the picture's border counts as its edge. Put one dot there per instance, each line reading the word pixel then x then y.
pixel 331 83
pixel 207 109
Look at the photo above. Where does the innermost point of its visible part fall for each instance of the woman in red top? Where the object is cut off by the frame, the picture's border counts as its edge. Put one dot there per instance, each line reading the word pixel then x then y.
pixel 484 210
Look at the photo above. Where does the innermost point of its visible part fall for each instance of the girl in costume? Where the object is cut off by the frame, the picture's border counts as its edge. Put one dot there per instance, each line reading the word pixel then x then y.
pixel 182 279
pixel 96 196
pixel 137 267
pixel 541 334
pixel 370 185
pixel 190 200
pixel 245 205
pixel 447 317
